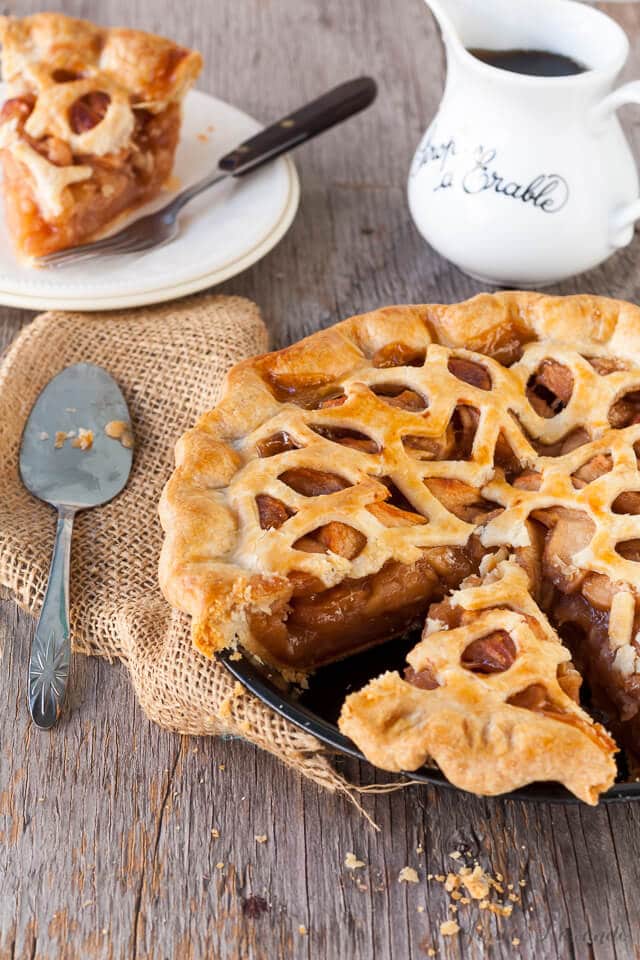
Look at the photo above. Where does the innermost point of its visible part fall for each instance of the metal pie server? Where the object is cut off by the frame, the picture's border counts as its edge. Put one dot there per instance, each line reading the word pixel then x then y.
pixel 69 460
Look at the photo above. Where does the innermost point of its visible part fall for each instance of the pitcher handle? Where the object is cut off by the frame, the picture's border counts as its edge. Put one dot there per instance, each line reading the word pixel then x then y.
pixel 625 216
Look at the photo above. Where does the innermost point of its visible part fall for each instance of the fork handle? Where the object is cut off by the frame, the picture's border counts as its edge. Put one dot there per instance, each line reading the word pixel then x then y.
pixel 328 110
pixel 307 122
pixel 51 647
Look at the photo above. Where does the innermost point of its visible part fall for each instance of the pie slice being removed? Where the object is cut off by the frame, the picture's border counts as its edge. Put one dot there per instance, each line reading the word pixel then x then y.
pixel 90 126
pixel 490 694
pixel 346 484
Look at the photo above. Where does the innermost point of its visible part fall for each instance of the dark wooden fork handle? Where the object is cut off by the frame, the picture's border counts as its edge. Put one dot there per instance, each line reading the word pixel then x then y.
pixel 331 108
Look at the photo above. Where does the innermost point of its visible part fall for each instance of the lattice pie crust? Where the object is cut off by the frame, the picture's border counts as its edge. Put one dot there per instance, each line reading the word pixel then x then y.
pixel 478 461
pixel 90 127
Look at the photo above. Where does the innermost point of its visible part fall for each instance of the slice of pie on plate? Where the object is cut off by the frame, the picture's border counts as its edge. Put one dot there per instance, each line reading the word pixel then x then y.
pixel 346 487
pixel 90 127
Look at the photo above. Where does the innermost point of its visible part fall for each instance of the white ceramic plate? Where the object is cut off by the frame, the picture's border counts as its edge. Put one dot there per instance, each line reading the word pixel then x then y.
pixel 224 231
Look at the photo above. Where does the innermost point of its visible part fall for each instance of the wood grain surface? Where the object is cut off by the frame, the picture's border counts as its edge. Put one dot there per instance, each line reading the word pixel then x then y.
pixel 106 845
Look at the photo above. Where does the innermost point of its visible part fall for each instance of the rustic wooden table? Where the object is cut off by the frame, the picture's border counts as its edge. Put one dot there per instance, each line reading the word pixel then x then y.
pixel 105 825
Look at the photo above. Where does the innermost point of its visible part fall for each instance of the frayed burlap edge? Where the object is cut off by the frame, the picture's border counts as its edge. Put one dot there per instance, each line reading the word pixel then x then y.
pixel 169 361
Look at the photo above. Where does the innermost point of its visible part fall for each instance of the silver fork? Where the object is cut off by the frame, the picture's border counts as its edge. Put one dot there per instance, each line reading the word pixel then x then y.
pixel 159 228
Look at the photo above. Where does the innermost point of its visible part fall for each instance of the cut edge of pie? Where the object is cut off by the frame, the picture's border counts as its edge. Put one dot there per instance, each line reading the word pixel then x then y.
pixel 489 684
pixel 90 127
pixel 345 484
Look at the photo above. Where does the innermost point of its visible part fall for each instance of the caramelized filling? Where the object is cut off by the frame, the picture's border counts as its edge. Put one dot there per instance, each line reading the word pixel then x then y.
pixel 313 483
pixel 424 679
pixel 464 424
pixel 272 512
pixel 494 653
pixel 549 389
pixel 398 355
pixel 592 470
pixel 606 365
pixel 627 502
pixel 470 372
pixel 576 438
pixel 65 76
pixel 88 111
pixel 614 696
pixel 399 396
pixel 534 697
pixel 317 627
pixel 275 444
pixel 347 438
pixel 462 500
pixel 334 537
pixel 426 448
pixel 629 549
pixel 625 411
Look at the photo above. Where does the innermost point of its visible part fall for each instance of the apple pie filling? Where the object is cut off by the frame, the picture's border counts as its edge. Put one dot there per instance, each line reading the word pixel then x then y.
pixel 475 465
pixel 314 624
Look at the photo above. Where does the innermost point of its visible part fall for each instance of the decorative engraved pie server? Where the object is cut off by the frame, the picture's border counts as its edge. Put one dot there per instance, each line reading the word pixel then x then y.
pixel 76 453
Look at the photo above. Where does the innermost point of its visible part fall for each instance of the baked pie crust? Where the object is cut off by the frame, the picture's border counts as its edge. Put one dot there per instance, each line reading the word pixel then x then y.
pixel 90 127
pixel 349 484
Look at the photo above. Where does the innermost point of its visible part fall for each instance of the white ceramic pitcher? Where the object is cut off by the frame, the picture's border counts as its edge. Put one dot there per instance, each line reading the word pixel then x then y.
pixel 523 180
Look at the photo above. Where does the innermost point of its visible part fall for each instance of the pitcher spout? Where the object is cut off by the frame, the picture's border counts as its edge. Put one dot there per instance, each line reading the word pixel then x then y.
pixel 451 15
pixel 468 22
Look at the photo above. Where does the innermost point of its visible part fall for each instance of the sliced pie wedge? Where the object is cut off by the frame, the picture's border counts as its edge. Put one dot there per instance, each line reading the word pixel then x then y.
pixel 90 128
pixel 345 484
pixel 490 694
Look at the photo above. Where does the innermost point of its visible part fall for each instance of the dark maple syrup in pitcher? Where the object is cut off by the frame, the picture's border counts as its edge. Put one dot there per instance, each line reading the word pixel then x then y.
pixel 533 63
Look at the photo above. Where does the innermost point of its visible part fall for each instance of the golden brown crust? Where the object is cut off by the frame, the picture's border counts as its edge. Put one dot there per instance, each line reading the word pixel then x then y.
pixel 223 567
pixel 153 69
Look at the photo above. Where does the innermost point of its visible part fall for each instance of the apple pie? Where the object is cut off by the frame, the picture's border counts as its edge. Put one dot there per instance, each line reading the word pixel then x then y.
pixel 90 127
pixel 473 464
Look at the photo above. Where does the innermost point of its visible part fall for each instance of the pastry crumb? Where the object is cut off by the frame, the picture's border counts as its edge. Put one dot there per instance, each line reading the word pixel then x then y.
pixel 431 952
pixel 261 838
pixel 120 430
pixel 61 438
pixel 236 655
pixel 515 942
pixel 43 436
pixel 449 928
pixel 215 833
pixel 455 855
pixel 84 440
pixel 351 862
pixel 419 848
pixel 420 909
pixel 219 865
pixel 302 930
pixel 408 875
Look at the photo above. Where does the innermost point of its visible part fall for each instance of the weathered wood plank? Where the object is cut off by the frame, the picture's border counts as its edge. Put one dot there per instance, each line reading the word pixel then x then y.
pixel 106 848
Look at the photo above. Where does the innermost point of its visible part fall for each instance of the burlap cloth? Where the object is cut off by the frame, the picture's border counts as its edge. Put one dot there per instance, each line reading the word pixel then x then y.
pixel 169 361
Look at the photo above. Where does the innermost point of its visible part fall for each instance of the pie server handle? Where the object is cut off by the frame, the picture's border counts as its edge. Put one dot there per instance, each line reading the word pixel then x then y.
pixel 51 647
pixel 328 110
